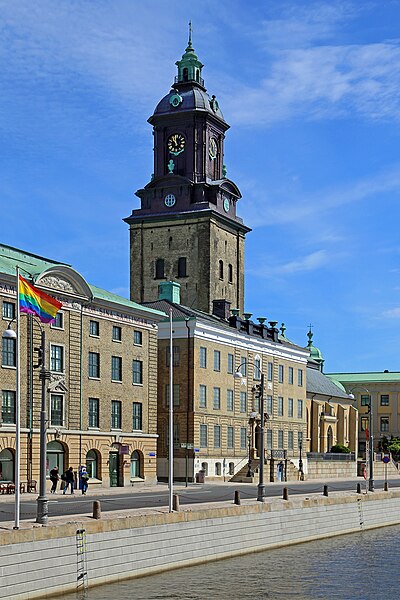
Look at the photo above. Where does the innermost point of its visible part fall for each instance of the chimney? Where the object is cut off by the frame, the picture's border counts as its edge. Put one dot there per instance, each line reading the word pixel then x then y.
pixel 170 290
pixel 221 309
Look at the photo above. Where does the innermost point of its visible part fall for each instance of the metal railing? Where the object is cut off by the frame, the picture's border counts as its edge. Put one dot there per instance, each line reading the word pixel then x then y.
pixel 331 456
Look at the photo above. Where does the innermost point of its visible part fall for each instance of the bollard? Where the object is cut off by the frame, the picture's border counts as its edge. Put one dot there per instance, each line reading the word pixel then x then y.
pixel 175 503
pixel 285 493
pixel 236 499
pixel 358 488
pixel 325 492
pixel 96 509
pixel 386 486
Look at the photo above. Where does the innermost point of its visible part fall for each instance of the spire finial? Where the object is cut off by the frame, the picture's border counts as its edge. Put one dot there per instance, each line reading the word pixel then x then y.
pixel 310 336
pixel 190 35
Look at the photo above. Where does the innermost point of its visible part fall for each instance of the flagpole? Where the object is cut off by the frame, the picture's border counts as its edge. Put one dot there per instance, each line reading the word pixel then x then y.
pixel 17 476
pixel 171 417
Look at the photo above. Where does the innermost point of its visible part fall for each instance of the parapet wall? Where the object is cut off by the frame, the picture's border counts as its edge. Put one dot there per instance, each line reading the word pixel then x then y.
pixel 43 561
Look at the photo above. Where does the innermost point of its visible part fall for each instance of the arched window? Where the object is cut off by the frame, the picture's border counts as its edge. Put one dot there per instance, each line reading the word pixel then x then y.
pixel 182 267
pixel 218 468
pixel 93 464
pixel 231 468
pixel 6 465
pixel 135 464
pixel 329 439
pixel 204 467
pixel 55 457
pixel 185 75
pixel 230 274
pixel 160 268
pixel 197 75
pixel 221 269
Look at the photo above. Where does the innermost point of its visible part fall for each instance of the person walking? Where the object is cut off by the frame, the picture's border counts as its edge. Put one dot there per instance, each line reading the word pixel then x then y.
pixel 54 477
pixel 85 480
pixel 69 480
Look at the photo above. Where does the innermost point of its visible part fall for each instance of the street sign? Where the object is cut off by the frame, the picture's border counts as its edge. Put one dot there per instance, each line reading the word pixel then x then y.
pixel 197 449
pixel 386 458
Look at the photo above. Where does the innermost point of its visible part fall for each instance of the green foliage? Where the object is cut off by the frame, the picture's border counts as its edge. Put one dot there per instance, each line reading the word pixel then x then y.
pixel 340 449
pixel 394 446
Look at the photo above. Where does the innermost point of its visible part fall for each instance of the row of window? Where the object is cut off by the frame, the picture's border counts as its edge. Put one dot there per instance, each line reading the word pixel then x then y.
pixel 384 400
pixel 182 269
pixel 384 424
pixel 282 409
pixel 205 442
pixel 57 411
pixel 8 312
pixel 243 366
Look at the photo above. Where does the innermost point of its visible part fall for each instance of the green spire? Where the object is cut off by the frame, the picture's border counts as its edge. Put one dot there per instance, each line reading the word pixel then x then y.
pixel 310 337
pixel 315 353
pixel 189 67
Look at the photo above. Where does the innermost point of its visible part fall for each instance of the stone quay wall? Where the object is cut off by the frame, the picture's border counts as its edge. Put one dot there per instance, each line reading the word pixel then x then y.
pixel 44 561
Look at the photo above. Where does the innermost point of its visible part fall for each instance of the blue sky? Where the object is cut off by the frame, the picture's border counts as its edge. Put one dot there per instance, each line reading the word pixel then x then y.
pixel 312 93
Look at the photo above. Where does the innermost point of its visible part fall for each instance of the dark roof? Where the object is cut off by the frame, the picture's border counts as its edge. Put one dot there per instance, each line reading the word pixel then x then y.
pixel 318 383
pixel 193 98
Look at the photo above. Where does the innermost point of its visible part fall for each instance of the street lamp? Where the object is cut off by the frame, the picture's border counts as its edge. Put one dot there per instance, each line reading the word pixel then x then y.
pixel 260 387
pixel 301 461
pixel 252 418
pixel 42 509
pixel 370 437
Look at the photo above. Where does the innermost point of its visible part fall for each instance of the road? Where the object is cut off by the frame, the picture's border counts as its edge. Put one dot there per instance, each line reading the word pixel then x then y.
pixel 128 498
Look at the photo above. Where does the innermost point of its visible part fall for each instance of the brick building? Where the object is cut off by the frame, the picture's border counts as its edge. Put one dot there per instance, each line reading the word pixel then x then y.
pixel 102 395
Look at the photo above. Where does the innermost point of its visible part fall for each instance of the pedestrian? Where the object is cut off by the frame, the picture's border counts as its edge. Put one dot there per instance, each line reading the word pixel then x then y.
pixel 69 480
pixel 54 477
pixel 85 480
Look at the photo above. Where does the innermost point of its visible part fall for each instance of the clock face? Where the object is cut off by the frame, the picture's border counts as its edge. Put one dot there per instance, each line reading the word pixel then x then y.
pixel 169 200
pixel 227 204
pixel 213 148
pixel 176 143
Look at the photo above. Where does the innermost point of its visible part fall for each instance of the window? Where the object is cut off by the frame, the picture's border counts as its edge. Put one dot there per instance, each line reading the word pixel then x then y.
pixel 257 367
pixel 203 358
pixel 384 399
pixel 56 410
pixel 137 415
pixel 243 368
pixel 364 423
pixel 230 437
pixel 116 368
pixel 94 328
pixel 116 333
pixel 94 365
pixel 299 409
pixel 280 439
pixel 176 354
pixel 230 274
pixel 182 267
pixel 176 394
pixel 58 322
pixel 270 371
pixel 290 407
pixel 268 440
pixel 385 424
pixel 218 468
pixel 290 375
pixel 93 420
pixel 216 398
pixel 243 438
pixel 9 310
pixel 8 407
pixel 217 360
pixel 116 421
pixel 243 402
pixel 137 371
pixel 137 338
pixel 290 440
pixel 229 399
pixel 203 436
pixel 280 406
pixel 204 467
pixel 203 396
pixel 365 400
pixel 300 377
pixel 280 373
pixel 231 468
pixel 57 359
pixel 159 268
pixel 221 269
pixel 9 352
pixel 230 363
pixel 217 436
pixel 92 464
pixel 268 407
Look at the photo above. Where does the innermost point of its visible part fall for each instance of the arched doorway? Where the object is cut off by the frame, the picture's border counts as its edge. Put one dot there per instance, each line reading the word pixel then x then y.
pixel 329 439
pixel 93 464
pixel 55 457
pixel 6 465
pixel 135 465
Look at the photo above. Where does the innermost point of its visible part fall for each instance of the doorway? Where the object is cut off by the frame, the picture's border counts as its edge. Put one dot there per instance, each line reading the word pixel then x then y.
pixel 115 463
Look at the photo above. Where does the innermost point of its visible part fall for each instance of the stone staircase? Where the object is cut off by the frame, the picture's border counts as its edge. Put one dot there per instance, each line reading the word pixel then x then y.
pixel 241 475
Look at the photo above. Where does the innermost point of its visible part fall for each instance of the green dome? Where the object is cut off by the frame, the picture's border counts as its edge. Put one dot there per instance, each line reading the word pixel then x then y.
pixel 315 353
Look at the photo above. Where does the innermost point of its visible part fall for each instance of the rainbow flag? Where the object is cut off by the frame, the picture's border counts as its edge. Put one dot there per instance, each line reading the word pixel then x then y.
pixel 36 302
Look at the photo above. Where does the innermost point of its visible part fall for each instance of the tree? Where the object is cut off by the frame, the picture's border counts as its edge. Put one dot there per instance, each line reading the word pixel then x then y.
pixel 340 449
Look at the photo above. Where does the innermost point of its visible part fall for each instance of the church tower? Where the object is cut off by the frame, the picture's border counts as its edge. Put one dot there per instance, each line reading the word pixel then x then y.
pixel 186 228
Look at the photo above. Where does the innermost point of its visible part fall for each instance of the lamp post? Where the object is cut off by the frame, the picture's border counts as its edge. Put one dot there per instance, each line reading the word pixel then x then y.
pixel 370 438
pixel 260 387
pixel 42 509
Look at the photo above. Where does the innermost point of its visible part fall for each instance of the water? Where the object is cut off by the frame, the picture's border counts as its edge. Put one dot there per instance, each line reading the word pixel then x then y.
pixel 362 566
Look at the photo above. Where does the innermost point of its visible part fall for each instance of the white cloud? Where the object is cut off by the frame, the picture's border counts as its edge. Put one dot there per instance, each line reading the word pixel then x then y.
pixel 310 262
pixel 392 313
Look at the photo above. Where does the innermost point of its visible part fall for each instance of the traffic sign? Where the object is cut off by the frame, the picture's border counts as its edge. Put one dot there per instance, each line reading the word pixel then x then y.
pixel 386 458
